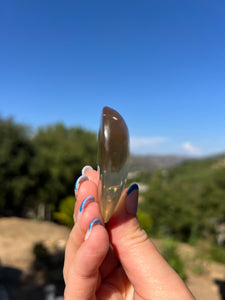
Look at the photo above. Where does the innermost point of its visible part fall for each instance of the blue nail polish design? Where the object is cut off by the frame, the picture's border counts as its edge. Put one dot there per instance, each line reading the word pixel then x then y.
pixel 79 181
pixel 75 186
pixel 132 188
pixel 87 200
pixel 94 222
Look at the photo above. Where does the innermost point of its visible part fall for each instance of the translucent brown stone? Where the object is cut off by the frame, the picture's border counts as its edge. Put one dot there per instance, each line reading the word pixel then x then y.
pixel 113 156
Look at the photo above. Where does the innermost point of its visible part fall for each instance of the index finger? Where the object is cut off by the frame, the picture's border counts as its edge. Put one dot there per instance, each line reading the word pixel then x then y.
pixel 86 185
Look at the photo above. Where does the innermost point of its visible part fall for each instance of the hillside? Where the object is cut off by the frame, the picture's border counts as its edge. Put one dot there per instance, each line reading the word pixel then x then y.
pixel 188 200
pixel 23 282
pixel 152 162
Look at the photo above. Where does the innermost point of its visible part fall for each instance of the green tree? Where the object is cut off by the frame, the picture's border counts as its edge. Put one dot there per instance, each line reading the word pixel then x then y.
pixel 16 156
pixel 42 167
pixel 63 152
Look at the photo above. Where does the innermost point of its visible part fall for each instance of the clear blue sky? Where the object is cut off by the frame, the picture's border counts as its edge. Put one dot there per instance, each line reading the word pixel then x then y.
pixel 160 63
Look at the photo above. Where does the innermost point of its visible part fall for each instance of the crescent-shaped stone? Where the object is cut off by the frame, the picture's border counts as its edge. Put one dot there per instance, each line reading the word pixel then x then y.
pixel 113 157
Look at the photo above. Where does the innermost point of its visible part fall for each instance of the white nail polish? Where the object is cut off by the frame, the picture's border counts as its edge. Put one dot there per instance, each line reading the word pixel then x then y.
pixel 85 169
pixel 81 179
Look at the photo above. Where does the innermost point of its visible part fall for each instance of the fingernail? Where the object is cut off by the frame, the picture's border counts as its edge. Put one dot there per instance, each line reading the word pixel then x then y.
pixel 132 199
pixel 84 203
pixel 95 221
pixel 81 179
pixel 85 169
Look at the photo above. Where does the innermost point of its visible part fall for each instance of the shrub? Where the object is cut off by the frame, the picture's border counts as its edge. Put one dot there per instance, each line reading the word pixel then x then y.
pixel 65 214
pixel 217 253
pixel 171 255
pixel 145 220
pixel 41 254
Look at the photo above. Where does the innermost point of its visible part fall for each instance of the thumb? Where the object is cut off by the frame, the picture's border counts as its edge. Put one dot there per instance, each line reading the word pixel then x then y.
pixel 146 269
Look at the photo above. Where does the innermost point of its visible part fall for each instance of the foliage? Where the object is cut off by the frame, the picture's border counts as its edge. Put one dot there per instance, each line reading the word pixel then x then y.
pixel 198 267
pixel 139 176
pixel 63 151
pixel 144 220
pixel 217 253
pixel 41 254
pixel 41 167
pixel 17 177
pixel 210 251
pixel 66 209
pixel 188 200
pixel 49 262
pixel 170 253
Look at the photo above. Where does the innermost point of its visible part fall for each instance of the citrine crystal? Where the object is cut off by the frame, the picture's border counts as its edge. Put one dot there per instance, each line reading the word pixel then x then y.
pixel 113 156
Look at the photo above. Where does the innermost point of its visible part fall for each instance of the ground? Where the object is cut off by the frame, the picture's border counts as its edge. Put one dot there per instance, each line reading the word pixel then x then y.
pixel 23 281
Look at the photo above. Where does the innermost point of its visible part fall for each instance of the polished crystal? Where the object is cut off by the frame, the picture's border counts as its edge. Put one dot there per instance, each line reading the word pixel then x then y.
pixel 113 156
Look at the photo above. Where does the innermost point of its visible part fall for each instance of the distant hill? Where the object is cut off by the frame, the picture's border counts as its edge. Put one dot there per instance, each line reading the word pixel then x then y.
pixel 151 162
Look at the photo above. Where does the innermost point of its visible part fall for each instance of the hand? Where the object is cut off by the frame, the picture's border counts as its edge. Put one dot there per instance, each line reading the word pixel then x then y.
pixel 117 262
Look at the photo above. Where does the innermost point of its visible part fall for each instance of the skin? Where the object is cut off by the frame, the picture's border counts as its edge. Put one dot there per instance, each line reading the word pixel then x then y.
pixel 117 261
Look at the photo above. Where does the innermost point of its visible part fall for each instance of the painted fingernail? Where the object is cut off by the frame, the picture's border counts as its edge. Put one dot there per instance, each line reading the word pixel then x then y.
pixel 85 169
pixel 81 179
pixel 132 199
pixel 84 203
pixel 95 221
